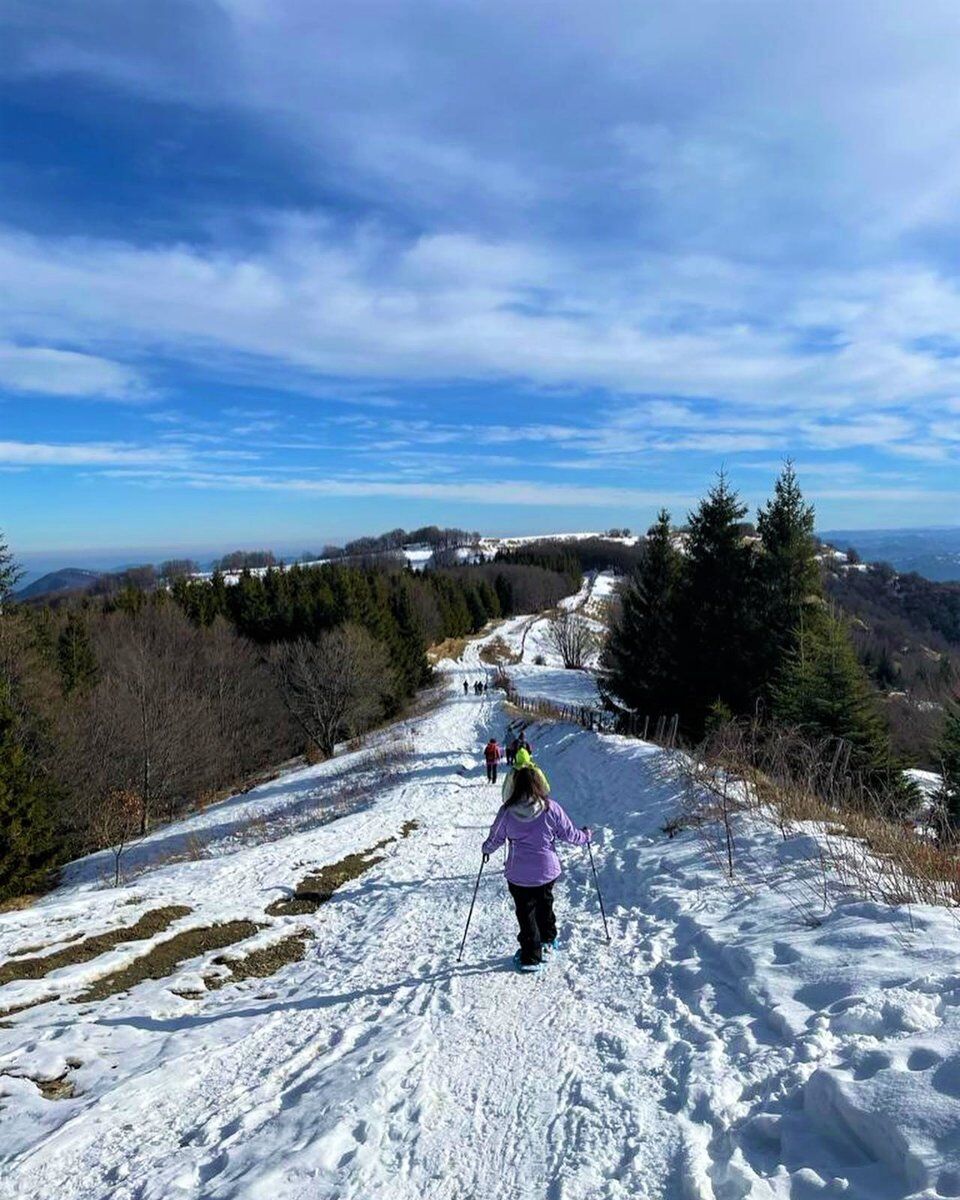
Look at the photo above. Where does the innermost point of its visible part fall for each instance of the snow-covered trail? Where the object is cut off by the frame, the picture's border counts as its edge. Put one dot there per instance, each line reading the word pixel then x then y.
pixel 380 1066
pixel 718 1049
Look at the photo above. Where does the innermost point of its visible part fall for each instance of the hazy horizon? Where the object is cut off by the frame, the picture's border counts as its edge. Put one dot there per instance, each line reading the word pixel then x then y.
pixel 38 563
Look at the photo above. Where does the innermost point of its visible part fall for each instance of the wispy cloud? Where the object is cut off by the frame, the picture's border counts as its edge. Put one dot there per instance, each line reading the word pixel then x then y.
pixel 362 290
pixel 55 372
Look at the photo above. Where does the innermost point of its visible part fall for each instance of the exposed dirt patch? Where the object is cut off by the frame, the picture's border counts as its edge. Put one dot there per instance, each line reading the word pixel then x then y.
pixel 61 1088
pixel 450 647
pixel 57 1089
pixel 316 889
pixel 259 964
pixel 149 925
pixel 17 903
pixel 408 827
pixel 19 1008
pixel 36 949
pixel 498 652
pixel 163 959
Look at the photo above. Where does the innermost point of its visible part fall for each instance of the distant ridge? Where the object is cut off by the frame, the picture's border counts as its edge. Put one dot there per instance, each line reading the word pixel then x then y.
pixel 67 579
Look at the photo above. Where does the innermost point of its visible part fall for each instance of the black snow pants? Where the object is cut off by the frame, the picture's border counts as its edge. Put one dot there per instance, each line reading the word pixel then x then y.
pixel 491 772
pixel 535 917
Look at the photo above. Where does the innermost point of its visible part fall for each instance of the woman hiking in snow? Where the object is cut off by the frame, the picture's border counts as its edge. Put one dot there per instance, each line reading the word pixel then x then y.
pixel 522 758
pixel 531 822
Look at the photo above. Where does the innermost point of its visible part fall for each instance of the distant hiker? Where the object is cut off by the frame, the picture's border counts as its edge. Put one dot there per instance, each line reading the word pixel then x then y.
pixel 485 688
pixel 522 759
pixel 466 687
pixel 531 822
pixel 522 743
pixel 511 751
pixel 491 755
pixel 478 687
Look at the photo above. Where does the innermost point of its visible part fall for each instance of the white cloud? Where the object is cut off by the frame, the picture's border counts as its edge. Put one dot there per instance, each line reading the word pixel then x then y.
pixel 49 454
pixel 491 492
pixel 56 372
pixel 315 305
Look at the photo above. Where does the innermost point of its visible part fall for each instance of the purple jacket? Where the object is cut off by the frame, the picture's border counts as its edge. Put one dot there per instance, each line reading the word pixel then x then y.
pixel 531 858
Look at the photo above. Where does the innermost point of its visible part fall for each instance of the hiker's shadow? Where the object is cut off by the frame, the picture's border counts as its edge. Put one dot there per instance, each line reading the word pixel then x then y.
pixel 308 1004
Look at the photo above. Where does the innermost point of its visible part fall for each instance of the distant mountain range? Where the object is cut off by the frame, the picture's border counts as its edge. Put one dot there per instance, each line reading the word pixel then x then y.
pixel 67 579
pixel 932 552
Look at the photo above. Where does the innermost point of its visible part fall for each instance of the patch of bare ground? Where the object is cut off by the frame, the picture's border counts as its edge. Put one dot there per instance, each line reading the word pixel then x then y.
pixel 18 903
pixel 497 652
pixel 259 964
pixel 60 1088
pixel 149 925
pixel 163 959
pixel 317 888
pixel 36 949
pixel 19 1008
pixel 451 647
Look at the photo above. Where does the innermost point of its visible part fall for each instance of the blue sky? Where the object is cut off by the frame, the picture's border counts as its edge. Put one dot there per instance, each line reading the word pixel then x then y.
pixel 282 272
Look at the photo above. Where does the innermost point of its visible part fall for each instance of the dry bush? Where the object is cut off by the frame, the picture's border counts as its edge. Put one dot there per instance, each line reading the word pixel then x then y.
pixel 572 637
pixel 451 647
pixel 501 680
pixel 859 844
pixel 313 755
pixel 497 652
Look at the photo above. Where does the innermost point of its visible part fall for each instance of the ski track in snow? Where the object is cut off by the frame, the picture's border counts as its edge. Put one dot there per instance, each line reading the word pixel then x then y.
pixel 718 1049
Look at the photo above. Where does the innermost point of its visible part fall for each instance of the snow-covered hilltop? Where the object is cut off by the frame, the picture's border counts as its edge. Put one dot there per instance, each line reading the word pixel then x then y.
pixel 308 1032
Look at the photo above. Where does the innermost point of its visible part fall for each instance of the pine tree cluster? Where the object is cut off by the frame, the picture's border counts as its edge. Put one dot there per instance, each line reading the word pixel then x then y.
pixel 721 621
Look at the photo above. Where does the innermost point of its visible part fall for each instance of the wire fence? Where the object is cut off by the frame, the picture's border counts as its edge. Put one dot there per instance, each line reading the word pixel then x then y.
pixel 661 729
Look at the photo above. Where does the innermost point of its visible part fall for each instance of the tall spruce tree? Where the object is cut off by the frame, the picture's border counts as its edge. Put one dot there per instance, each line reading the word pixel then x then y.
pixel 787 574
pixel 10 573
pixel 76 660
pixel 716 626
pixel 948 753
pixel 28 829
pixel 639 656
pixel 823 691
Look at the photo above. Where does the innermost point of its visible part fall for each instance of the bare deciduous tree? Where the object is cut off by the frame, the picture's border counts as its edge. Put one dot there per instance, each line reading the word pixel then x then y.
pixel 117 821
pixel 572 638
pixel 150 717
pixel 333 687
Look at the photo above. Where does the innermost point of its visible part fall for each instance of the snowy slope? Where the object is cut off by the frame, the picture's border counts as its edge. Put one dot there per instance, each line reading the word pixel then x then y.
pixel 529 638
pixel 735 1040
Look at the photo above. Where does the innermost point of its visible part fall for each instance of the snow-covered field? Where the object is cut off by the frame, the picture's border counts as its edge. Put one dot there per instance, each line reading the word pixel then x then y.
pixel 735 1040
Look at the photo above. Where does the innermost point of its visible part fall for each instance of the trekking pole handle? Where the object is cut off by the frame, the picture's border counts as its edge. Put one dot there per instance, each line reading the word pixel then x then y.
pixel 486 858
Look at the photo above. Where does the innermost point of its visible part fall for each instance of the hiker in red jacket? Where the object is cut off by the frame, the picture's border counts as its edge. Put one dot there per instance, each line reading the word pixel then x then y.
pixel 491 754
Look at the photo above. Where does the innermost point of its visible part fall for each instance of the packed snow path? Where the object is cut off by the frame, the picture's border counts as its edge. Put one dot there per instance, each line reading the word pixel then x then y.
pixel 699 1057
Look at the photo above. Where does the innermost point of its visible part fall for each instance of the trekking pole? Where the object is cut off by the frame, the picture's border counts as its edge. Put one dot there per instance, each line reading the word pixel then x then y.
pixel 599 893
pixel 483 863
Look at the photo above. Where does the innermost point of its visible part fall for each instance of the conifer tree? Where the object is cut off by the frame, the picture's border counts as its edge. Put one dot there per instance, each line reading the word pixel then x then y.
pixel 76 660
pixel 949 756
pixel 10 573
pixel 639 656
pixel 28 838
pixel 823 691
pixel 716 630
pixel 787 573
